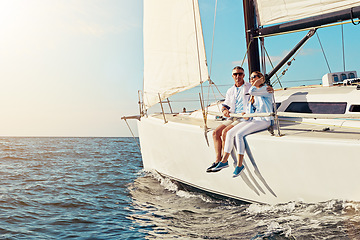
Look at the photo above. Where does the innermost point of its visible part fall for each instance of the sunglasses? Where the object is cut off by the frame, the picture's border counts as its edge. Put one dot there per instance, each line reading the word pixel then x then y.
pixel 255 76
pixel 240 74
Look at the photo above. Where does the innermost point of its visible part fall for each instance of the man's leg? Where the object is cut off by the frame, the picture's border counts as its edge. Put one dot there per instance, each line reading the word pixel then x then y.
pixel 218 146
pixel 218 141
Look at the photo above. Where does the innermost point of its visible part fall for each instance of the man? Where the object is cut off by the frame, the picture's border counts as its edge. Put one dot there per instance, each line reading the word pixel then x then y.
pixel 236 100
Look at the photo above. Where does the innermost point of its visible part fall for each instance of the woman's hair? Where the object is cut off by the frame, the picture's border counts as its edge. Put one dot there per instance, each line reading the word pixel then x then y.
pixel 259 73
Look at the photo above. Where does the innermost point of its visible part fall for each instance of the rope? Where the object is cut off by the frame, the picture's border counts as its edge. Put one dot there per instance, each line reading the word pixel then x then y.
pixel 132 134
pixel 352 17
pixel 322 49
pixel 215 98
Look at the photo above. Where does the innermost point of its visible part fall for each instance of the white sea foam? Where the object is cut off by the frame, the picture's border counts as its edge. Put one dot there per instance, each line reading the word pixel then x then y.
pixel 171 186
pixel 275 228
pixel 258 209
pixel 165 182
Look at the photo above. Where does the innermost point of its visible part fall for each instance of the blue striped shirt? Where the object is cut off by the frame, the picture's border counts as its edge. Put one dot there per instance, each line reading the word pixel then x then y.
pixel 237 98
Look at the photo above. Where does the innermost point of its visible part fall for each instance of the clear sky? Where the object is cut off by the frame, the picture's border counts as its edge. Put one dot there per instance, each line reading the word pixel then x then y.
pixel 73 68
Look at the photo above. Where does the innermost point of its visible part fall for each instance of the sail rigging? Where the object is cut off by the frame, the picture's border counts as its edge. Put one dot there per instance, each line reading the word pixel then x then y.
pixel 174 50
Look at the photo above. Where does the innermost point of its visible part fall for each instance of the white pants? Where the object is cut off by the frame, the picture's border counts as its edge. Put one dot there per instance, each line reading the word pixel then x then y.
pixel 238 133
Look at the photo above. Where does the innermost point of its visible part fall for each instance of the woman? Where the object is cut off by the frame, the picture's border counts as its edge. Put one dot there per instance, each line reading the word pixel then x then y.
pixel 261 101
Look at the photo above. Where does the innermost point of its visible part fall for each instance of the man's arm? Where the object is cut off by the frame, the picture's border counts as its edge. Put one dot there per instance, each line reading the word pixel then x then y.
pixel 225 106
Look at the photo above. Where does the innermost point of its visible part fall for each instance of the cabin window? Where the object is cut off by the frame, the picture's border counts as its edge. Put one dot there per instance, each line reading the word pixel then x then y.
pixel 354 108
pixel 335 78
pixel 278 105
pixel 317 107
pixel 351 75
pixel 343 76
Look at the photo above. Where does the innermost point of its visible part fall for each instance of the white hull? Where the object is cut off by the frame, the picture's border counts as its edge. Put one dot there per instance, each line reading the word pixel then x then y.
pixel 305 166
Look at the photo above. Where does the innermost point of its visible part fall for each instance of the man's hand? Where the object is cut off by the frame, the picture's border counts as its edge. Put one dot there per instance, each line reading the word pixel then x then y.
pixel 226 112
pixel 269 89
pixel 246 118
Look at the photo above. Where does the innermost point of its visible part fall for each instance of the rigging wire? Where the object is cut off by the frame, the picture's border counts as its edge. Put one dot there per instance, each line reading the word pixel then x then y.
pixel 322 49
pixel 132 134
pixel 246 53
pixel 211 83
pixel 211 58
pixel 272 65
pixel 213 37
pixel 286 68
pixel 343 45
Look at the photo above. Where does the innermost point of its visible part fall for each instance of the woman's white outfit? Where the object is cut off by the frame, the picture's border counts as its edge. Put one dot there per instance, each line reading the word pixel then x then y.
pixel 263 103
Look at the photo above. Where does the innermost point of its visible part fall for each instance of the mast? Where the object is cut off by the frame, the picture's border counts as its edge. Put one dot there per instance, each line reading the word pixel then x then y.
pixel 251 42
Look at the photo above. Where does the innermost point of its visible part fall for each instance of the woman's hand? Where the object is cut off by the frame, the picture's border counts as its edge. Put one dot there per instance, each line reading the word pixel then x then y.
pixel 258 82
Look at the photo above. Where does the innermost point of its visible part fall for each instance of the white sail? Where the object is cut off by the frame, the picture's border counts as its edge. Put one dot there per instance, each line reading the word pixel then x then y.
pixel 278 11
pixel 174 51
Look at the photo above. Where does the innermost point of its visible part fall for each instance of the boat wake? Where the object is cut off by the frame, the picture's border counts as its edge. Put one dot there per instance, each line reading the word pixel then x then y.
pixel 163 210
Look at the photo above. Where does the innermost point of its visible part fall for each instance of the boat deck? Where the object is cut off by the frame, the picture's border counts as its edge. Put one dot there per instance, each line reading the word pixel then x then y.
pixel 288 127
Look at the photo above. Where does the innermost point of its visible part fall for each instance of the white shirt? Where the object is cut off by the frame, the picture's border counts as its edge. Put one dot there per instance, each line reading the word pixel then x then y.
pixel 237 98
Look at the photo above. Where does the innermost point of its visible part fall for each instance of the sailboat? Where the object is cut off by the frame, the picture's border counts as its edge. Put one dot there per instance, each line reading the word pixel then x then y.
pixel 313 153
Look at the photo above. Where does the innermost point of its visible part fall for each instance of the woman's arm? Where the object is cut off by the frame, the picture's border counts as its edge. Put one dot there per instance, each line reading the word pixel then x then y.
pixel 259 91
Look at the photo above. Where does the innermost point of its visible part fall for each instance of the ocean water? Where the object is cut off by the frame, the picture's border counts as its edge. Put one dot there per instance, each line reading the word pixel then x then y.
pixel 95 188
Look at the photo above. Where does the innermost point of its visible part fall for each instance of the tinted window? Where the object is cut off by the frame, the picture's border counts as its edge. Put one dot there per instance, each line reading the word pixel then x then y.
pixel 317 107
pixel 336 78
pixel 354 108
pixel 351 75
pixel 278 105
pixel 343 76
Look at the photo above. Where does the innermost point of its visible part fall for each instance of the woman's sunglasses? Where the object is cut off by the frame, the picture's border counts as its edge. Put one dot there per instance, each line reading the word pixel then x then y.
pixel 255 76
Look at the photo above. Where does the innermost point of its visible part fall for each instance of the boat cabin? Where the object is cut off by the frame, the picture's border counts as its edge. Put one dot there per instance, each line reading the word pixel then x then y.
pixel 346 78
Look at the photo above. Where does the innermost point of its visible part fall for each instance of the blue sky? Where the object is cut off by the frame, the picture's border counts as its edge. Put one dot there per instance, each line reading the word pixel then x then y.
pixel 73 68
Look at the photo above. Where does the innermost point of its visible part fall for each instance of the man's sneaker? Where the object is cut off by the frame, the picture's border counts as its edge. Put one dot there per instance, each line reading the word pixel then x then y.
pixel 220 166
pixel 238 170
pixel 211 168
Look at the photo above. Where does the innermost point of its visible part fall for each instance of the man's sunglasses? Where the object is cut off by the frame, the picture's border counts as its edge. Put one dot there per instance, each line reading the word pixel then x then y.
pixel 238 74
